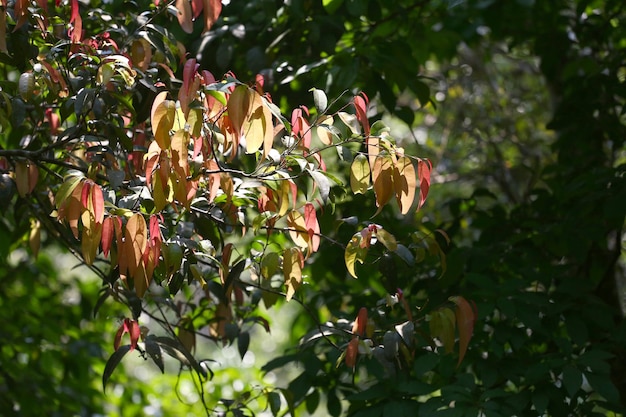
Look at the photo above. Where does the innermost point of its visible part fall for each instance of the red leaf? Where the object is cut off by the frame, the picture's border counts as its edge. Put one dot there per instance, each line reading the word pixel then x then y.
pixel 84 196
pixel 108 231
pixel 312 226
pixel 360 324
pixel 351 352
pixel 424 168
pixel 184 15
pixel 360 103
pixel 97 202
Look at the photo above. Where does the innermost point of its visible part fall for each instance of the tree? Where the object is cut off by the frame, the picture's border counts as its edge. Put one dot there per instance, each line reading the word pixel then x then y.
pixel 535 242
pixel 194 199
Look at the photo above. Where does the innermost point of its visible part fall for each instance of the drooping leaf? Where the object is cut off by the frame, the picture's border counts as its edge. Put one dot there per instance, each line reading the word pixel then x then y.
pixel 320 100
pixel 405 183
pixel 298 229
pixel 360 174
pixel 112 363
pixel 465 319
pixel 292 270
pixel 136 235
pixel 352 352
pixel 243 342
pixel 424 168
pixel 322 182
pixel 154 351
pixel 185 15
pixel 442 325
pixel 312 226
pixel 358 328
pixel 382 176
pixel 354 253
pixel 162 119
pixel 212 10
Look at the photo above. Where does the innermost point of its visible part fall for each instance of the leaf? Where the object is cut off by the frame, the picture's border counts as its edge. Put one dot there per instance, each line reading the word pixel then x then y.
pixel 358 328
pixel 3 33
pixel 34 237
pixel 175 349
pixel 243 342
pixel 112 363
pixel 96 203
pixel 352 352
pixel 361 103
pixel 26 176
pixel 270 265
pixel 572 380
pixel 351 121
pixel 292 270
pixel 298 229
pixel 184 15
pixel 136 236
pixel 405 183
pixel 212 10
pixel 359 174
pixel 162 119
pixel 382 176
pixel 442 324
pixel 424 168
pixel 322 182
pixel 354 253
pixel 387 239
pixel 465 319
pixel 320 100
pixel 312 226
pixel 154 351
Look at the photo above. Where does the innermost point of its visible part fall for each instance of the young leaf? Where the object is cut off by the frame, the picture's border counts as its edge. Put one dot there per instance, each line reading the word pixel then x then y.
pixel 162 119
pixel 212 10
pixel 184 15
pixel 352 352
pixel 136 236
pixel 112 363
pixel 358 328
pixel 312 226
pixel 424 168
pixel 359 174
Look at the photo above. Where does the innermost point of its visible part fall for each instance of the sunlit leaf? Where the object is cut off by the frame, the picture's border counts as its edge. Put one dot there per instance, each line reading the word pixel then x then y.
pixel 292 270
pixel 162 119
pixel 424 168
pixel 382 176
pixel 387 239
pixel 320 100
pixel 136 235
pixel 359 174
pixel 405 183
pixel 298 229
pixel 354 253
pixel 212 10
pixel 185 15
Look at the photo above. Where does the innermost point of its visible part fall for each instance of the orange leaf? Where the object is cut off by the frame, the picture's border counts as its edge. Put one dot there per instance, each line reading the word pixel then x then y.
pixel 405 183
pixel 74 208
pixel 382 175
pixel 136 239
pixel 352 352
pixel 90 238
pixel 239 107
pixel 162 119
pixel 184 15
pixel 212 10
pixel 424 168
pixel 298 229
pixel 465 319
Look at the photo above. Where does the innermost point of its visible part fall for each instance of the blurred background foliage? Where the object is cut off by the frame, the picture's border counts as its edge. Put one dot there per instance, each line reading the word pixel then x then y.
pixel 520 105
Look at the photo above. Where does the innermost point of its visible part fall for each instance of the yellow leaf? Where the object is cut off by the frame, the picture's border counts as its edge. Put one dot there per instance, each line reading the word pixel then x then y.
pixel 179 146
pixel 405 183
pixel 359 174
pixel 162 119
pixel 91 236
pixel 137 237
pixel 283 197
pixel 382 175
pixel 297 229
pixel 323 129
pixel 34 238
pixel 354 252
pixel 387 239
pixel 292 270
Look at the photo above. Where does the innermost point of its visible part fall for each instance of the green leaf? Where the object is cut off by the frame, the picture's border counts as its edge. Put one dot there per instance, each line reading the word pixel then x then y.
pixel 354 252
pixel 572 380
pixel 331 6
pixel 332 403
pixel 243 342
pixel 154 351
pixel 112 363
pixel 602 384
pixel 387 239
pixel 425 362
pixel 273 399
pixel 312 401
